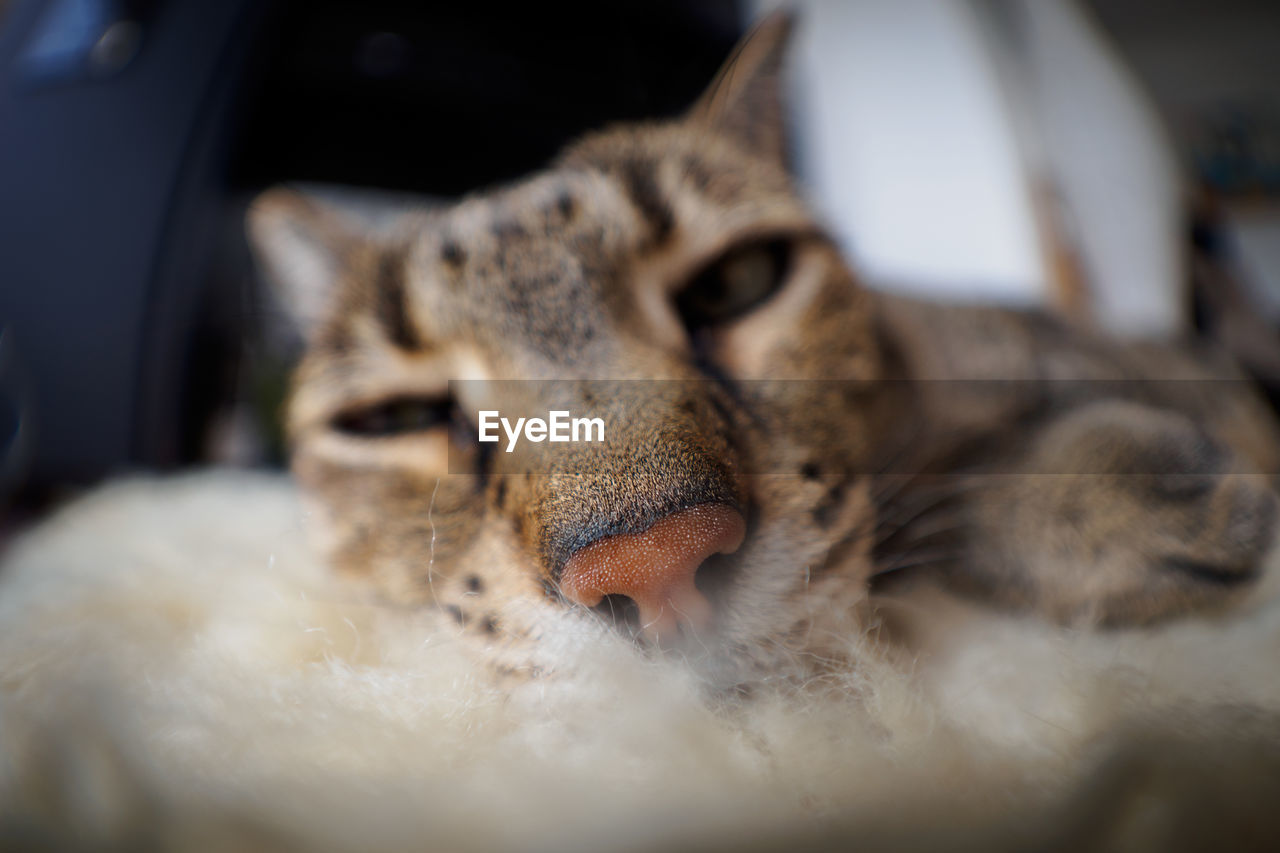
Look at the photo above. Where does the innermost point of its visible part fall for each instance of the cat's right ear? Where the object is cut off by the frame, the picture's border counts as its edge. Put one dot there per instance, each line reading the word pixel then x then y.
pixel 302 246
pixel 745 100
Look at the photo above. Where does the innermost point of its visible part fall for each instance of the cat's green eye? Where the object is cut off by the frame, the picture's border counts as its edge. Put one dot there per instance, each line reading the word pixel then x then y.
pixel 737 282
pixel 396 416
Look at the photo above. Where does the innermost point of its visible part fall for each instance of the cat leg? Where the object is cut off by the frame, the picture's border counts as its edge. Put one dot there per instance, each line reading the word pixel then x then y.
pixel 1119 513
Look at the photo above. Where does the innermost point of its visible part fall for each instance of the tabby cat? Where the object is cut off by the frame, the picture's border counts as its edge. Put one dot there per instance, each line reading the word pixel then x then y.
pixel 780 440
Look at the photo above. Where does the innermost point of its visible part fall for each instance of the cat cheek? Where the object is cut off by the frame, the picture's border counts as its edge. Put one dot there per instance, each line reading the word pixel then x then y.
pixel 319 526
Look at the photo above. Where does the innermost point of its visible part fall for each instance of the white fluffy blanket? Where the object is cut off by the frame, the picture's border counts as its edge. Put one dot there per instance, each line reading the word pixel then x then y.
pixel 177 672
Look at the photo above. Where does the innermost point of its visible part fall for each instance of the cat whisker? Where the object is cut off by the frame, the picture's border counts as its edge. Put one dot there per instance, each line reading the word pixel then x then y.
pixel 688 625
pixel 431 561
pixel 904 561
pixel 891 524
pixel 938 528
pixel 931 484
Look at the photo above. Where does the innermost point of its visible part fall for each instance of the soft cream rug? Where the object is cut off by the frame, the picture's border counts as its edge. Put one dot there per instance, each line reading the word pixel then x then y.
pixel 176 672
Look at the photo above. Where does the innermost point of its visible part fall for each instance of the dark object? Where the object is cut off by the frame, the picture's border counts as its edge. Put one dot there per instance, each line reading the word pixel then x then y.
pixel 76 39
pixel 132 133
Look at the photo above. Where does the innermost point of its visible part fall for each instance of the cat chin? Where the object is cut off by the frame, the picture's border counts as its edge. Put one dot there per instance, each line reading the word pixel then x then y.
pixel 556 643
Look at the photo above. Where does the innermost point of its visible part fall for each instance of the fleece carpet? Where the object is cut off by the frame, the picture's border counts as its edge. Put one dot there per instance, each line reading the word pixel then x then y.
pixel 177 671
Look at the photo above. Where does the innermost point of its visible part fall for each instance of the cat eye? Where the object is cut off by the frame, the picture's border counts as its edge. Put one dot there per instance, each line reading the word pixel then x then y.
pixel 397 416
pixel 735 283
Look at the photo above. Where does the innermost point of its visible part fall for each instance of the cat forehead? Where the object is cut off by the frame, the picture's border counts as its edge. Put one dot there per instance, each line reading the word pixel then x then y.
pixel 625 189
pixel 543 205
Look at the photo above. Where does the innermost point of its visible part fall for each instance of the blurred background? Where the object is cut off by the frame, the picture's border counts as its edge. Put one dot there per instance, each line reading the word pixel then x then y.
pixel 1117 160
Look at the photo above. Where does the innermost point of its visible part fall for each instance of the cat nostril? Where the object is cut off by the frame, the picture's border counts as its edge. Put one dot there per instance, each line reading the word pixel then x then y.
pixel 621 611
pixel 655 568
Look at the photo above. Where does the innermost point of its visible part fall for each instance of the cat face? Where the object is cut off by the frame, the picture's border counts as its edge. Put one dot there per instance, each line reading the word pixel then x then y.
pixel 676 264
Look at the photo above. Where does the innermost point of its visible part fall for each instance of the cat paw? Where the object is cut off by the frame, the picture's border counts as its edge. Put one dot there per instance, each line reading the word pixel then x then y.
pixel 1125 514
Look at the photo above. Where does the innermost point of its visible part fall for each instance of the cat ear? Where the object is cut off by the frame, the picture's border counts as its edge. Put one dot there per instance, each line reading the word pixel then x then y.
pixel 745 101
pixel 302 246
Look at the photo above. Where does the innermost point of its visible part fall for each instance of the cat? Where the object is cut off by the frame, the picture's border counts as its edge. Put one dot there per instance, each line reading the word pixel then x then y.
pixel 782 442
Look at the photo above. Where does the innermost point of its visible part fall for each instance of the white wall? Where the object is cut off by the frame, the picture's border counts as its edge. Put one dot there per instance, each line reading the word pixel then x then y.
pixel 907 147
pixel 918 134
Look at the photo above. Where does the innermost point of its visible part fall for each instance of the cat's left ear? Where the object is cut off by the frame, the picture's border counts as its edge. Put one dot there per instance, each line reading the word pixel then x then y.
pixel 302 246
pixel 745 101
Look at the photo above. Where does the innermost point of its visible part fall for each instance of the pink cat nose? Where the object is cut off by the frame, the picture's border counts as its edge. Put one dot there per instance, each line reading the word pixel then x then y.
pixel 655 568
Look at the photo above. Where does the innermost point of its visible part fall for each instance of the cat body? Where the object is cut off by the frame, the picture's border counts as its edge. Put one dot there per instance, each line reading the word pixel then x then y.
pixel 781 434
